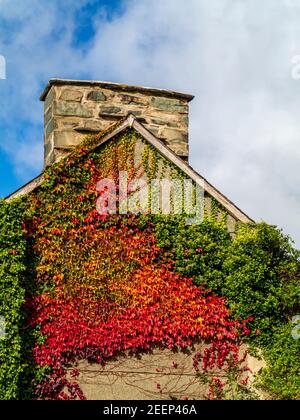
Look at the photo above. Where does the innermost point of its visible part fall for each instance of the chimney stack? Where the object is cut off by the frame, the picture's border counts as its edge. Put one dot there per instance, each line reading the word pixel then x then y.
pixel 74 108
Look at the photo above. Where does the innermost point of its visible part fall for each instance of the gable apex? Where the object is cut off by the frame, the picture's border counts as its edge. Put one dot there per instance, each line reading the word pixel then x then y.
pixel 131 121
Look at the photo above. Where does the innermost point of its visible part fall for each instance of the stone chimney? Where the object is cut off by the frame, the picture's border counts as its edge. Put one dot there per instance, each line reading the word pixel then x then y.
pixel 74 108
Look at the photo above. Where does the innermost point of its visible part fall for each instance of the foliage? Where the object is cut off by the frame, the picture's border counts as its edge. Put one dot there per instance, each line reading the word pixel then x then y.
pixel 231 384
pixel 258 272
pixel 100 285
pixel 282 378
pixel 262 273
pixel 12 269
pixel 131 306
pixel 198 251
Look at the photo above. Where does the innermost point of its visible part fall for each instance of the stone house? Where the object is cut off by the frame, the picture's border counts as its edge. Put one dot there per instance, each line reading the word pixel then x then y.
pixel 74 109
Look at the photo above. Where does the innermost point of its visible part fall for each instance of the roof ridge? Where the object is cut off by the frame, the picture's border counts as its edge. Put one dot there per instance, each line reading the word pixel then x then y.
pixel 131 121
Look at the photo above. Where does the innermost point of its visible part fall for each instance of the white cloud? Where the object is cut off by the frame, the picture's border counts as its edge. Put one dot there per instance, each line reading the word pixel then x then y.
pixel 234 55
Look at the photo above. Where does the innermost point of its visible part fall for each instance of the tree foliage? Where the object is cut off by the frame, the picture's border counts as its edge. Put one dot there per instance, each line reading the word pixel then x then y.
pixel 258 271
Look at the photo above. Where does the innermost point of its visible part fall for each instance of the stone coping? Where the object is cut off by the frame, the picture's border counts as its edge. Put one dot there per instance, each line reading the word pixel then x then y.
pixel 116 86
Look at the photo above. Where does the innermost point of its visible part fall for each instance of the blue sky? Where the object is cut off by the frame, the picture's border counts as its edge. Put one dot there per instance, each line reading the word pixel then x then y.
pixel 12 177
pixel 84 30
pixel 244 126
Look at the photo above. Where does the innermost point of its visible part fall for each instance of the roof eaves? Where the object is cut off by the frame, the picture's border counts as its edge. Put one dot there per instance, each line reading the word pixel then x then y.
pixel 27 188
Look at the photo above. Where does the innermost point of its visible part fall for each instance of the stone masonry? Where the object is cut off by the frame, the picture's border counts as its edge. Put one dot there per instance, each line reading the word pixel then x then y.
pixel 76 108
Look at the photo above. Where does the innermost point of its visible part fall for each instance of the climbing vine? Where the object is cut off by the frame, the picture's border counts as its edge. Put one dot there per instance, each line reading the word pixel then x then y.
pixel 102 285
pixel 12 271
pixel 258 271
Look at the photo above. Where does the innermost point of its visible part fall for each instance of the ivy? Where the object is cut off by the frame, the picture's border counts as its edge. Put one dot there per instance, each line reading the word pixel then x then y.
pixel 258 271
pixel 12 270
pixel 282 378
pixel 101 285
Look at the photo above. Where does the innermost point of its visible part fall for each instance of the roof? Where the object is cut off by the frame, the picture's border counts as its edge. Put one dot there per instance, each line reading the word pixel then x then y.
pixel 116 86
pixel 131 122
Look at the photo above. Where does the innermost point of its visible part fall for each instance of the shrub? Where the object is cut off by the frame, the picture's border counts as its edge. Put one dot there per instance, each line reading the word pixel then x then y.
pixel 258 272
pixel 261 279
pixel 282 378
